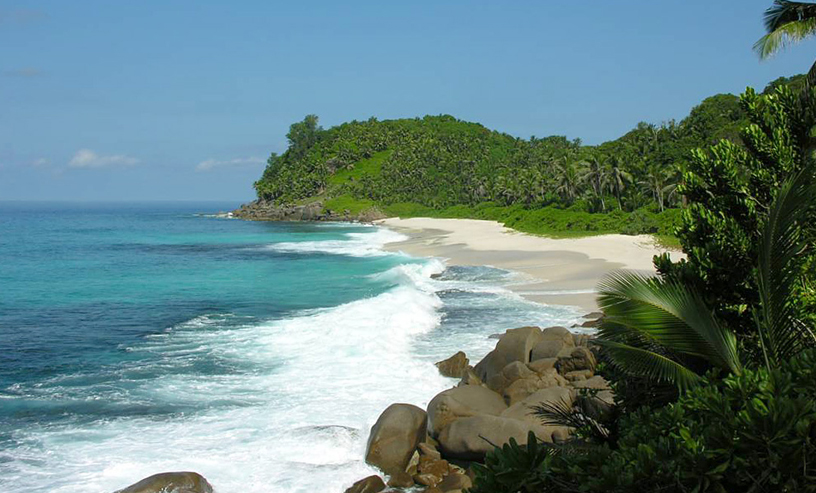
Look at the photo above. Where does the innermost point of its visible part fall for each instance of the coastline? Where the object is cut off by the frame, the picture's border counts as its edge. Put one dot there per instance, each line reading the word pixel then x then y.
pixel 560 271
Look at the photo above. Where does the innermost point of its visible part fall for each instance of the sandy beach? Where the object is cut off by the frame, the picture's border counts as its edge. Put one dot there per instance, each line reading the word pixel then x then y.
pixel 560 271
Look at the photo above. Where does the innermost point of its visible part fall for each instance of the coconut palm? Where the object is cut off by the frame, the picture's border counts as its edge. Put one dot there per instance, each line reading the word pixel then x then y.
pixel 618 177
pixel 788 23
pixel 597 176
pixel 663 330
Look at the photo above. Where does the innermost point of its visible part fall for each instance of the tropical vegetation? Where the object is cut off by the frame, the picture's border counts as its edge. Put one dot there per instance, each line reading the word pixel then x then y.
pixel 441 166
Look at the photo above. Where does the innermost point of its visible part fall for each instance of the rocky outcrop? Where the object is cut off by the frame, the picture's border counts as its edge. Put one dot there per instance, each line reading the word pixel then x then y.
pixel 495 401
pixel 177 482
pixel 454 366
pixel 395 436
pixel 260 210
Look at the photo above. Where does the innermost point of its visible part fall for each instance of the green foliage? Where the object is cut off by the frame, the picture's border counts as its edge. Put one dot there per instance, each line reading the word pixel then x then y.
pixel 661 330
pixel 729 190
pixel 752 432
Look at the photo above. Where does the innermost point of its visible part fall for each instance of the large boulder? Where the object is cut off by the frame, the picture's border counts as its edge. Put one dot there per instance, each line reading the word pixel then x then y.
pixel 514 345
pixel 523 387
pixel 471 438
pixel 454 366
pixel 524 411
pixel 395 436
pixel 177 482
pixel 464 401
pixel 553 341
pixel 371 484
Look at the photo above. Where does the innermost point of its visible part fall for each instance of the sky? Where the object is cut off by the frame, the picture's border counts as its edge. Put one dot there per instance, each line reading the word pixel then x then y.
pixel 183 100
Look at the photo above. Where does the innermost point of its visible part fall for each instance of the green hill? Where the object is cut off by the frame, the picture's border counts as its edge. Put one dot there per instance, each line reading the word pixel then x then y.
pixel 442 166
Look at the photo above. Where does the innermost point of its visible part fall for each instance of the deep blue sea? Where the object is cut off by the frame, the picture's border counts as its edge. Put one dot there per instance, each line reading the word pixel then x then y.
pixel 140 338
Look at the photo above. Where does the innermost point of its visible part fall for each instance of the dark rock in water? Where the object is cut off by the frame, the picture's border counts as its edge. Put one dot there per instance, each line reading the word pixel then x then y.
pixel 176 482
pixel 495 336
pixel 260 210
pixel 371 484
pixel 454 366
pixel 395 437
pixel 594 315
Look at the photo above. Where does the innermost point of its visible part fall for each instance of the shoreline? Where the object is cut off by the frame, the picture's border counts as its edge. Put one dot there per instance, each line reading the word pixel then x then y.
pixel 560 271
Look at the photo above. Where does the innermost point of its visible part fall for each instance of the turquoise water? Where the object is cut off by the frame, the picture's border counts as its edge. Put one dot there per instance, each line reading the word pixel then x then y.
pixel 138 338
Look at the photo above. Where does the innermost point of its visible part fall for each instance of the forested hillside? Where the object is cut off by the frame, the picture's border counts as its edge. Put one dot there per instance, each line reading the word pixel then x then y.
pixel 441 166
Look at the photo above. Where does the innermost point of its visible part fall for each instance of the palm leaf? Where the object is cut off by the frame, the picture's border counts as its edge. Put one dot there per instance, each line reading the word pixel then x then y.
pixel 787 35
pixel 782 334
pixel 645 363
pixel 668 314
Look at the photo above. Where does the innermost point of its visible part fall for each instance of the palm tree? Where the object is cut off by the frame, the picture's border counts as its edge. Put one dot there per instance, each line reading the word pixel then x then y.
pixel 663 330
pixel 597 177
pixel 568 179
pixel 618 176
pixel 788 23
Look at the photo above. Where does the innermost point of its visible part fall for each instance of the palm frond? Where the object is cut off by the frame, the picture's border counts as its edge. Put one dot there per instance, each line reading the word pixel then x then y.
pixel 562 413
pixel 783 242
pixel 668 314
pixel 784 36
pixel 645 363
pixel 784 11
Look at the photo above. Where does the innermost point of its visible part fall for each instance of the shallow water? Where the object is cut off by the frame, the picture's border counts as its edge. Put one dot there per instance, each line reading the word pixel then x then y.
pixel 139 338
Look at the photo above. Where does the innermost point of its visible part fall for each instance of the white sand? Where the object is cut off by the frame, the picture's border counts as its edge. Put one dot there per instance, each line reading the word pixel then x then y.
pixel 561 271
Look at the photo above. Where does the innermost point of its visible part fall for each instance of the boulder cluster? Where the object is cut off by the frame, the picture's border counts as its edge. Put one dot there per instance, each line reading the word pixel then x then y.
pixel 492 403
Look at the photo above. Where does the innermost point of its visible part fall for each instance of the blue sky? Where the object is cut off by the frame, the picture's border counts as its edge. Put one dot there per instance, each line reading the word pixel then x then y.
pixel 164 100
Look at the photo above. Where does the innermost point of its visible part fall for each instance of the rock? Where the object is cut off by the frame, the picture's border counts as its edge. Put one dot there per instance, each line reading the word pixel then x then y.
pixel 458 402
pixel 524 387
pixel 581 340
pixel 454 366
pixel 580 358
pixel 177 482
pixel 471 438
pixel 432 490
pixel 438 468
pixel 495 336
pixel 401 480
pixel 371 484
pixel 541 365
pixel 553 340
pixel 428 451
pixel 514 345
pixel 395 437
pixel 578 375
pixel 509 374
pixel 523 411
pixel 597 382
pixel 427 480
pixel 455 481
pixel 469 377
pixel 594 315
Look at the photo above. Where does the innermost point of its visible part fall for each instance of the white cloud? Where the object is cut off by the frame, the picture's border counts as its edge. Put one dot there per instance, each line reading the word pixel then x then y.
pixel 86 158
pixel 214 163
pixel 38 162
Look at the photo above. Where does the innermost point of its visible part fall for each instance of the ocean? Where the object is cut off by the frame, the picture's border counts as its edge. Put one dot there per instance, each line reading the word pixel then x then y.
pixel 138 338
